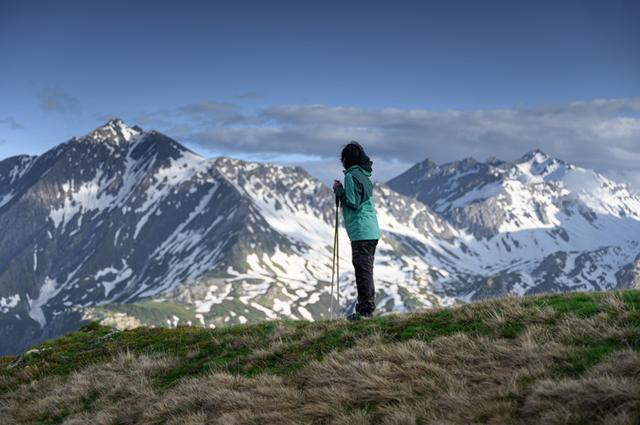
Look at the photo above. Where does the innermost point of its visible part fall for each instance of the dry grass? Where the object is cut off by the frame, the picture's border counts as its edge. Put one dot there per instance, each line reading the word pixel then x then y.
pixel 527 365
pixel 101 392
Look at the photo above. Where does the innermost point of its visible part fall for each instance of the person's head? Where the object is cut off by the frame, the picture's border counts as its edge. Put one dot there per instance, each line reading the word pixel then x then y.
pixel 350 155
pixel 353 154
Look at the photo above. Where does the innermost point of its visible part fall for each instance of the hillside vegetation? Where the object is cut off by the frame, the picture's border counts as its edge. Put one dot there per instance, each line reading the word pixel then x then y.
pixel 560 359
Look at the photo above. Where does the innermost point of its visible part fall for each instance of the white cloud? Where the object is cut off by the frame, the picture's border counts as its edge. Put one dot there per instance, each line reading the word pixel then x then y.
pixel 603 134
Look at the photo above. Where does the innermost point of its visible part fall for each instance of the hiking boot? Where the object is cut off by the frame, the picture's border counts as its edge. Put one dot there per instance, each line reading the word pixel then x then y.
pixel 357 316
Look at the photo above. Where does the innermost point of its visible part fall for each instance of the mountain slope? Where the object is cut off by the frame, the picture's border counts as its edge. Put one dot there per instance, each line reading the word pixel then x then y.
pixel 122 216
pixel 130 227
pixel 539 224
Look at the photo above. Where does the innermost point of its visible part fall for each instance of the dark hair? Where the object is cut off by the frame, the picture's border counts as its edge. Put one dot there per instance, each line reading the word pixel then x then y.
pixel 350 155
pixel 353 154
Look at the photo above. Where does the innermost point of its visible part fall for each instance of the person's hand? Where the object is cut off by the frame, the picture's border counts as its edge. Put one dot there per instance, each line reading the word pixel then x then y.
pixel 336 184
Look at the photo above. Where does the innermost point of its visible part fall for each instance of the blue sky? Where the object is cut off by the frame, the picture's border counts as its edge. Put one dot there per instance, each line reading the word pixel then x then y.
pixel 291 81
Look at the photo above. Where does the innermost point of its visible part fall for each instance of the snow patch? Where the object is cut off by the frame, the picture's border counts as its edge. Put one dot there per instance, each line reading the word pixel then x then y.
pixel 48 290
pixel 8 303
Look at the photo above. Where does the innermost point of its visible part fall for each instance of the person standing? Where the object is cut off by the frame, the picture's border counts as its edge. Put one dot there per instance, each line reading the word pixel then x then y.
pixel 356 199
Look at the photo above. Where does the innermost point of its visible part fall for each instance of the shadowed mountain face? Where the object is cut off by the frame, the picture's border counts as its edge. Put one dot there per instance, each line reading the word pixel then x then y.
pixel 128 226
pixel 540 224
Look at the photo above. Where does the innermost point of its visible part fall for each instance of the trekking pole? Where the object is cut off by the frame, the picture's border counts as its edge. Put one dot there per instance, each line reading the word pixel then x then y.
pixel 335 261
pixel 338 252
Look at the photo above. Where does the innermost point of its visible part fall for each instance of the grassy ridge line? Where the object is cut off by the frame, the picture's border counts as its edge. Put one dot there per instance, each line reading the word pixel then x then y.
pixel 233 349
pixel 514 352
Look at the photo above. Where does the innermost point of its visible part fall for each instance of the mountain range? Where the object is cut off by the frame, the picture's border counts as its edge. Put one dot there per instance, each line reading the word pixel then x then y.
pixel 129 227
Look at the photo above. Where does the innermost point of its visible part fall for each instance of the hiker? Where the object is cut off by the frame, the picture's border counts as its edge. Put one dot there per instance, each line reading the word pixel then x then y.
pixel 356 198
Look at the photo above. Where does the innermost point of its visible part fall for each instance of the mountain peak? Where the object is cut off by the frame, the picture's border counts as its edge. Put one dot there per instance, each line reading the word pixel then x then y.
pixel 536 155
pixel 115 131
pixel 427 164
pixel 115 122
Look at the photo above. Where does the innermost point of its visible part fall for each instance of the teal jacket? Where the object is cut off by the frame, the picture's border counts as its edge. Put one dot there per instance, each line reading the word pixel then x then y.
pixel 356 198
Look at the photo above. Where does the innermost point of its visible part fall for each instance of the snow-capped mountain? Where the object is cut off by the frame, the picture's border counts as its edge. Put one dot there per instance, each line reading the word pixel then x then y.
pixel 540 224
pixel 121 216
pixel 130 227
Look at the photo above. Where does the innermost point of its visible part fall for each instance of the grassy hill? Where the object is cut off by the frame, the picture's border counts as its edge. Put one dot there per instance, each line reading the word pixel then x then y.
pixel 560 359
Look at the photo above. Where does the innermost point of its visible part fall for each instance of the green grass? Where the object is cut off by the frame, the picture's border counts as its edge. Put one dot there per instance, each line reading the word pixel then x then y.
pixel 589 328
pixel 149 312
pixel 230 349
pixel 581 304
pixel 632 298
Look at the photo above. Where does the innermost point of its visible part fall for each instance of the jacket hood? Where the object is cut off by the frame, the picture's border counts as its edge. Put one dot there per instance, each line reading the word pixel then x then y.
pixel 363 170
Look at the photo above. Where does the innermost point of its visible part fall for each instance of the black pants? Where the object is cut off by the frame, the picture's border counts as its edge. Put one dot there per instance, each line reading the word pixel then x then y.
pixel 362 253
